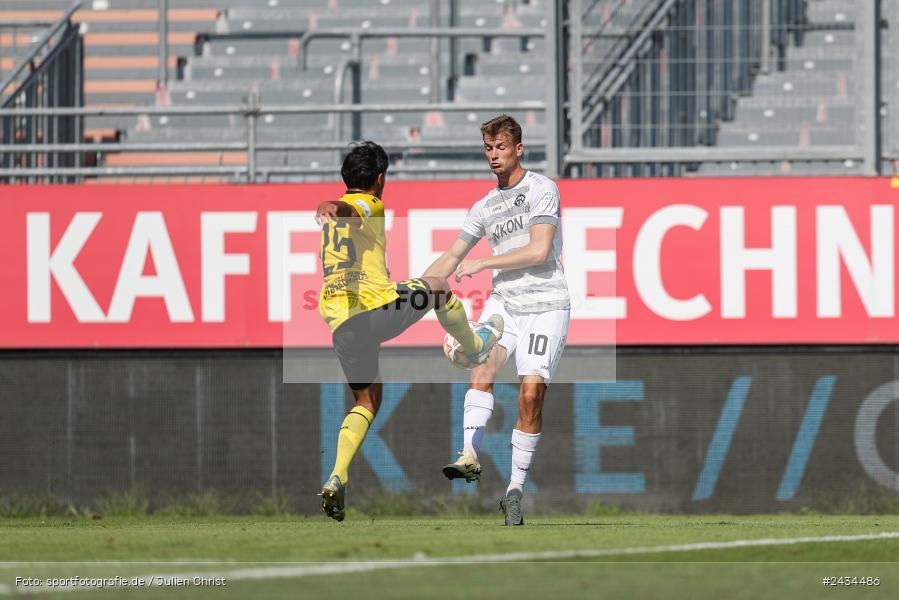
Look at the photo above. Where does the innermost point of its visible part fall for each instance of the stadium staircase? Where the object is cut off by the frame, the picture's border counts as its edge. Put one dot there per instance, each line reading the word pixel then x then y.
pixel 806 99
pixel 811 101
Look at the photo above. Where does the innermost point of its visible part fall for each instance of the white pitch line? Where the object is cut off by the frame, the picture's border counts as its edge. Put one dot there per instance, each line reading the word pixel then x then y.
pixel 357 567
pixel 695 547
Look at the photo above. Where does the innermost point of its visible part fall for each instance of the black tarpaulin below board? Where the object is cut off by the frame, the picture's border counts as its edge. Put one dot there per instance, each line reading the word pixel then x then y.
pixel 738 431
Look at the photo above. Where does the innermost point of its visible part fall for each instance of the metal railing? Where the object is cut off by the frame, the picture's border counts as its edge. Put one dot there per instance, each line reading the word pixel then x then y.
pixel 250 172
pixel 43 44
pixel 56 82
pixel 357 36
pixel 21 35
pixel 163 78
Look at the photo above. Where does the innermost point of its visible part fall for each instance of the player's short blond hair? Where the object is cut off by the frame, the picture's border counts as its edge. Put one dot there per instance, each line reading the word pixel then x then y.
pixel 502 124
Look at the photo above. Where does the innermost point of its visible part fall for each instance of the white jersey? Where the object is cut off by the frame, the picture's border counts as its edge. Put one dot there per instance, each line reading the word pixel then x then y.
pixel 505 216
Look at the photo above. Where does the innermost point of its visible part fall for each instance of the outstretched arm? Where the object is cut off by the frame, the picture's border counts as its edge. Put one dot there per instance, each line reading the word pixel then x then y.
pixel 444 266
pixel 536 252
pixel 332 210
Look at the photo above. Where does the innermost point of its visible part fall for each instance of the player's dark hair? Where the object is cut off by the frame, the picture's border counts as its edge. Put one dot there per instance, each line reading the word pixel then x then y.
pixel 502 124
pixel 361 167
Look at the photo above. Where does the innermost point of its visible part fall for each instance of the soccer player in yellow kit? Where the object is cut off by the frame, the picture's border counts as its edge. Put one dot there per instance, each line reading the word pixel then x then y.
pixel 364 308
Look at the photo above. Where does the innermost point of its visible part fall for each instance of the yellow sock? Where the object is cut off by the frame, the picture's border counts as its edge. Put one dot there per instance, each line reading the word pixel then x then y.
pixel 454 321
pixel 349 440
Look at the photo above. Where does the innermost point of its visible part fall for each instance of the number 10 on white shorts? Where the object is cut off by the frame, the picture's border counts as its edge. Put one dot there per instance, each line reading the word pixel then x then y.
pixel 536 339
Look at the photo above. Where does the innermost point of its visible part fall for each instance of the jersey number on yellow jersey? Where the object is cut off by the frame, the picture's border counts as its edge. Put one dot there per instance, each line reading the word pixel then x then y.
pixel 338 237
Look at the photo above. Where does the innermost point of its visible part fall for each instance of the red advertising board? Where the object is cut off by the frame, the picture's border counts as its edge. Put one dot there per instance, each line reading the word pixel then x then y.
pixel 654 261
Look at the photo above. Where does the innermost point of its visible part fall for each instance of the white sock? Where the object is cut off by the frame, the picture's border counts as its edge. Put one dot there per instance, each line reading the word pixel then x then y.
pixel 524 445
pixel 477 410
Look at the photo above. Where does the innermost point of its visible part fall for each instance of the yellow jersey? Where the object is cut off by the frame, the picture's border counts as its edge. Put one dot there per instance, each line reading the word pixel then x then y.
pixel 354 263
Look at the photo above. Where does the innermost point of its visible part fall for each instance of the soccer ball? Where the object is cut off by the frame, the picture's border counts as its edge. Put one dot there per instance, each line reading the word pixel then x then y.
pixel 454 351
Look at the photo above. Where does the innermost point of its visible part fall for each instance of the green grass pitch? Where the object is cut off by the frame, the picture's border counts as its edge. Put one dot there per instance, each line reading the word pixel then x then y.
pixel 313 557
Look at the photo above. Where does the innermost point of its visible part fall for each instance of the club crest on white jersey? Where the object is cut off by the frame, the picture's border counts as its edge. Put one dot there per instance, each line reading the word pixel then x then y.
pixel 504 216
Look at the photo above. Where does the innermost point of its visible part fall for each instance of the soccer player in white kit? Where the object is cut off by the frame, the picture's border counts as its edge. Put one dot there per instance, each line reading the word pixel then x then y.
pixel 520 219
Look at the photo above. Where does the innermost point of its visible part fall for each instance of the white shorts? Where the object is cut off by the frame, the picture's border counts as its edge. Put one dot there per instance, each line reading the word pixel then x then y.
pixel 536 339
